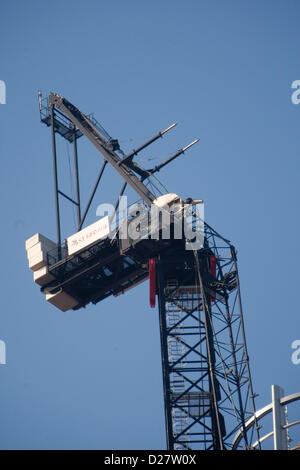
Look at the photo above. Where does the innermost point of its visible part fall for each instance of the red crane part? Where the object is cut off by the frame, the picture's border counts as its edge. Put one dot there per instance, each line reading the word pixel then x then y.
pixel 152 282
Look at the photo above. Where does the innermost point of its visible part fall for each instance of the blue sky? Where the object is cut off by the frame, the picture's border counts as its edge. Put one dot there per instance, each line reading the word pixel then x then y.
pixel 92 378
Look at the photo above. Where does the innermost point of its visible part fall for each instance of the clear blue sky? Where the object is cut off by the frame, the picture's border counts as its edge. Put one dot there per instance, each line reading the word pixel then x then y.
pixel 223 70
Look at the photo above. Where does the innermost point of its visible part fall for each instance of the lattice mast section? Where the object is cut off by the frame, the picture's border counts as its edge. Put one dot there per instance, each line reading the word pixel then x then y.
pixel 207 383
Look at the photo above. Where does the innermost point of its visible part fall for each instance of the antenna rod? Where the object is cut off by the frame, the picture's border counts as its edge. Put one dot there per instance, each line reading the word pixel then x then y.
pixel 159 167
pixel 153 139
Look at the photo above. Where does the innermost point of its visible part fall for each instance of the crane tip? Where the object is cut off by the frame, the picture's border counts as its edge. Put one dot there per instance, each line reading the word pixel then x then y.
pixel 192 143
pixel 169 128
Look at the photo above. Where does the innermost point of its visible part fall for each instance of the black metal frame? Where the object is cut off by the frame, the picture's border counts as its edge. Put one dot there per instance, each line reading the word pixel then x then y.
pixel 60 124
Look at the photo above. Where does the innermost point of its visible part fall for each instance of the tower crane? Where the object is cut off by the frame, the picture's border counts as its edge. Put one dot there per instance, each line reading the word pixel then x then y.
pixel 192 273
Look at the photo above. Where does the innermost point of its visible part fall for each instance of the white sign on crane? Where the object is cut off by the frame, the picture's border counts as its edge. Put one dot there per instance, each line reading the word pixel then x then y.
pixel 89 235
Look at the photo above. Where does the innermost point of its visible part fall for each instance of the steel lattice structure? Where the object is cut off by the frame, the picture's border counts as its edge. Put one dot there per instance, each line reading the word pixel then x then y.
pixel 208 392
pixel 207 382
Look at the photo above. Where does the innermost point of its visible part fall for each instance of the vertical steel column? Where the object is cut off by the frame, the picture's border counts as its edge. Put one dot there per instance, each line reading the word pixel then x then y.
pixel 214 387
pixel 280 440
pixel 164 355
pixel 55 177
pixel 76 178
